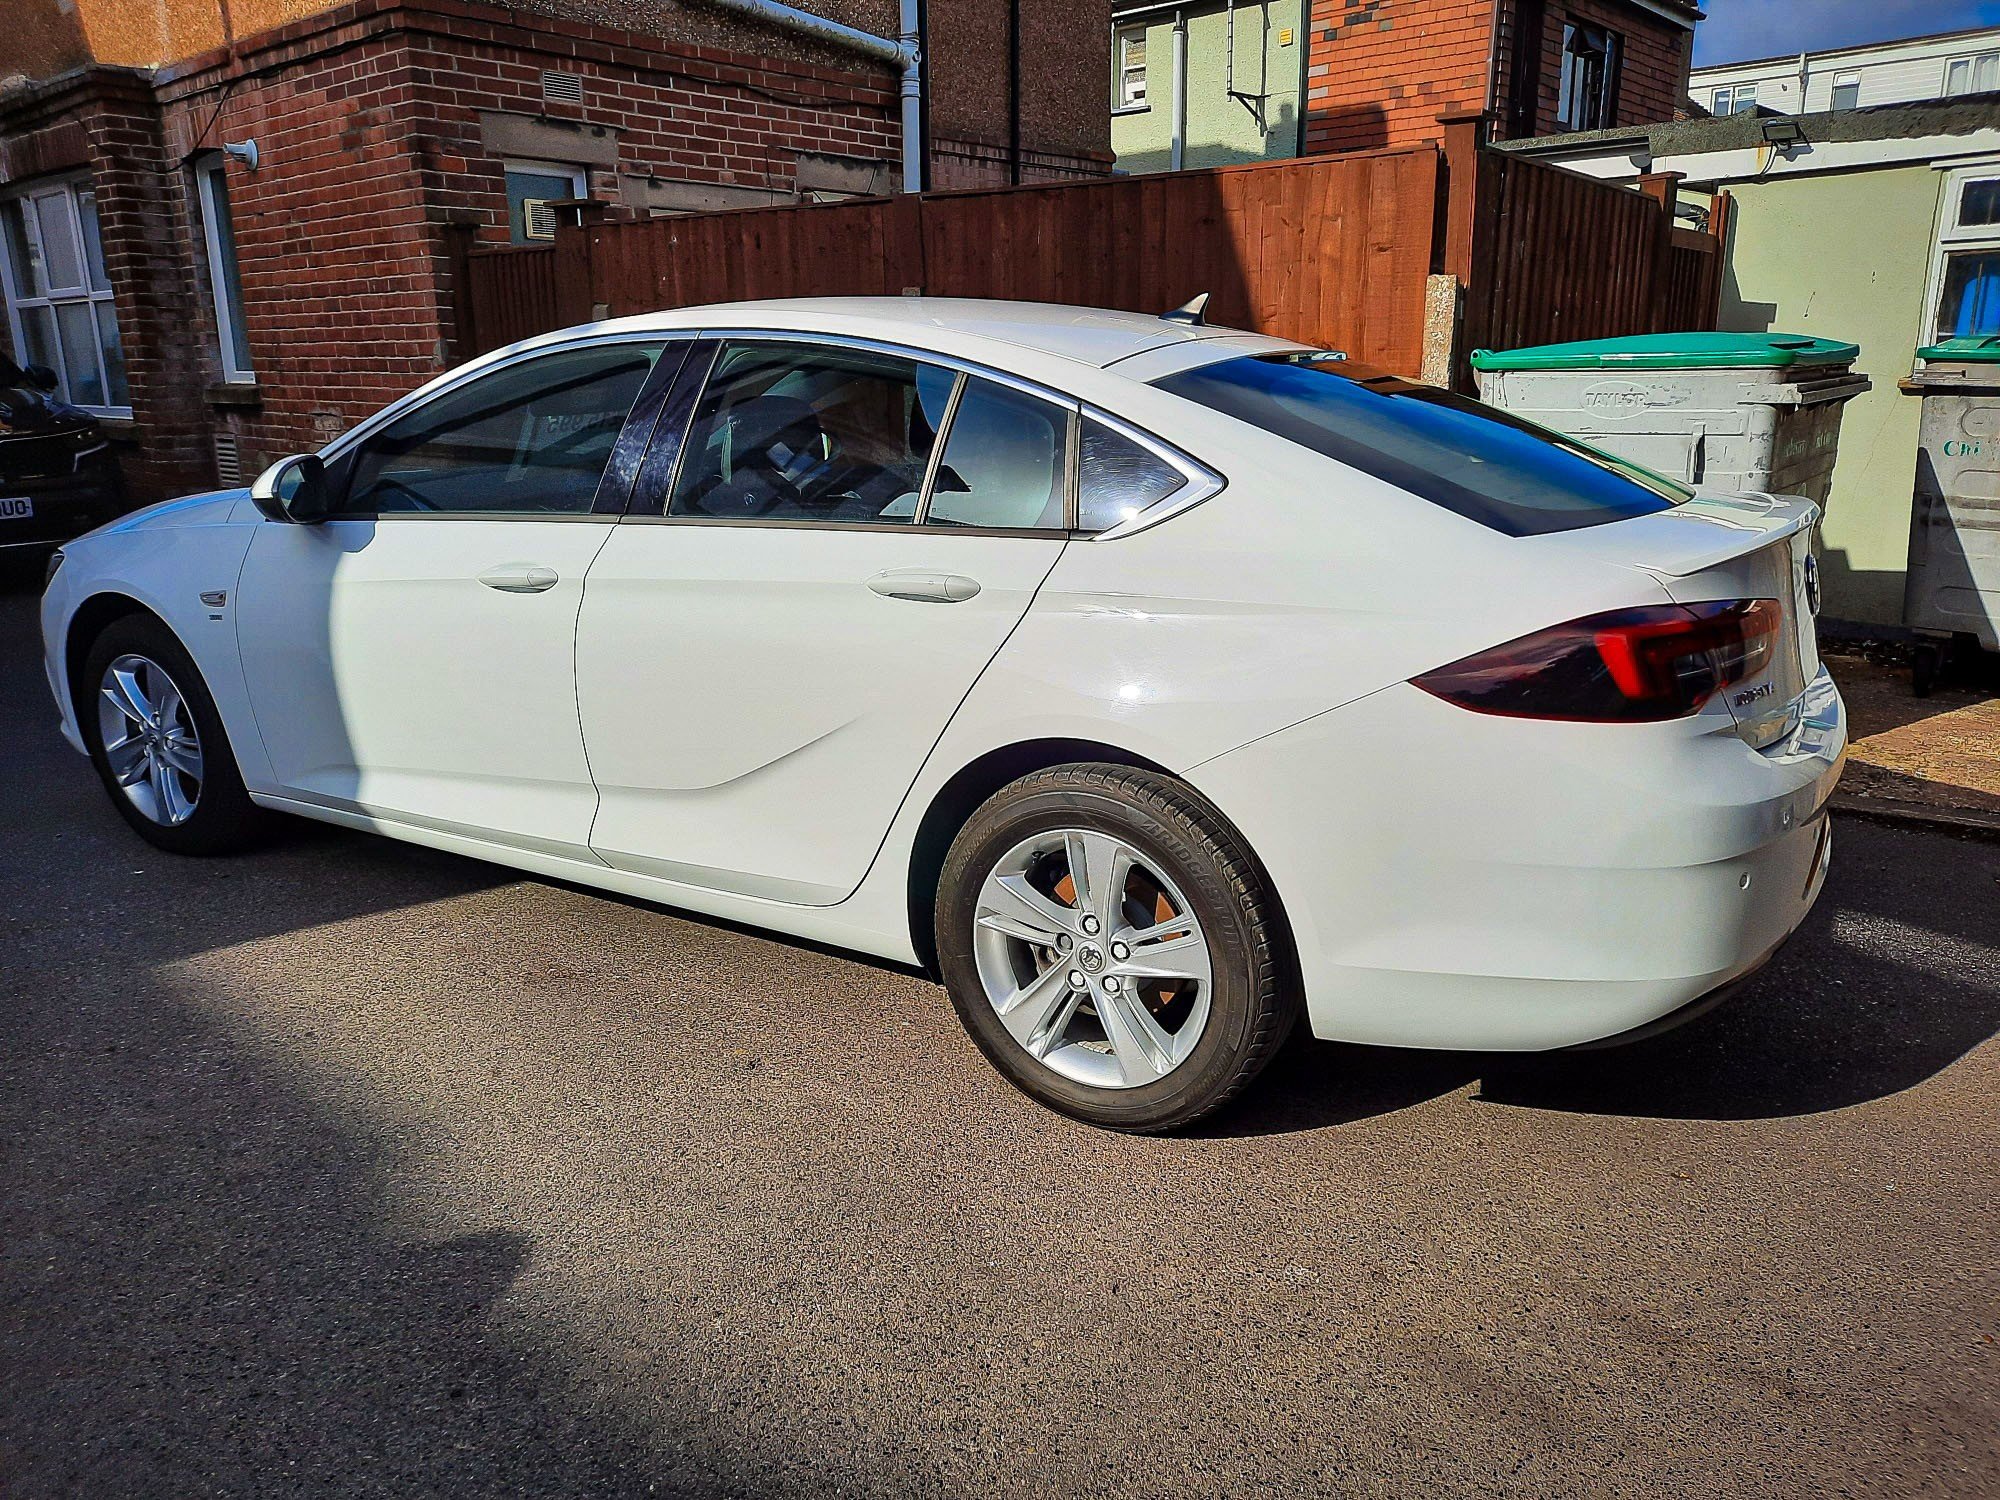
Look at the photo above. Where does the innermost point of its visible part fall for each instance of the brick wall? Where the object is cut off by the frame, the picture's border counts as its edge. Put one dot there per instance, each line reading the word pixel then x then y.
pixel 376 125
pixel 371 125
pixel 1382 71
pixel 104 122
pixel 1652 72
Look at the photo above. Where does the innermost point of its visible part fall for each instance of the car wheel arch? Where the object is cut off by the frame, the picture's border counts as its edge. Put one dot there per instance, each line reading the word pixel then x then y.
pixel 979 779
pixel 87 622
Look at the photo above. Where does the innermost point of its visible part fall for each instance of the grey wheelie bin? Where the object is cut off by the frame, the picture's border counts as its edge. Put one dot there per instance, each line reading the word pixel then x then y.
pixel 1727 411
pixel 1953 586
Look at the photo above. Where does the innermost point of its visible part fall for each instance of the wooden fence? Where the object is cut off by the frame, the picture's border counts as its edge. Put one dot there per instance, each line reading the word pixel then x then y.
pixel 1336 251
pixel 1552 255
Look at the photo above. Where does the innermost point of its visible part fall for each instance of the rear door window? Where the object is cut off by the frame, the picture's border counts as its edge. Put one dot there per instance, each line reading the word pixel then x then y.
pixel 1473 459
pixel 790 432
pixel 1005 463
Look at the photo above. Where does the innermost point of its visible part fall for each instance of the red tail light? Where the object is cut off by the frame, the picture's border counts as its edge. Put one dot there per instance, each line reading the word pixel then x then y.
pixel 1658 662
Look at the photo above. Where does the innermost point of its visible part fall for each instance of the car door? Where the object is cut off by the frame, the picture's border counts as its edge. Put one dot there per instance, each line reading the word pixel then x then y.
pixel 848 535
pixel 412 656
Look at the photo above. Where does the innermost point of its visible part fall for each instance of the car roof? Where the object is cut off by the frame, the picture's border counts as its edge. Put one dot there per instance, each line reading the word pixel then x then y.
pixel 1088 335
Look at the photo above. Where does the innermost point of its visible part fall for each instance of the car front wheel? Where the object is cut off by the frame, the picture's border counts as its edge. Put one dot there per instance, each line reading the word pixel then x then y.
pixel 1110 944
pixel 158 743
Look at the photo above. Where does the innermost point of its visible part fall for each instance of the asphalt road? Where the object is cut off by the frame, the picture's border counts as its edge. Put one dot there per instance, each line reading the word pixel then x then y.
pixel 351 1169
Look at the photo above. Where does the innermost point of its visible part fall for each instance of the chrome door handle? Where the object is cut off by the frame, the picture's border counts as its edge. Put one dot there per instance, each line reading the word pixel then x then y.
pixel 928 588
pixel 520 578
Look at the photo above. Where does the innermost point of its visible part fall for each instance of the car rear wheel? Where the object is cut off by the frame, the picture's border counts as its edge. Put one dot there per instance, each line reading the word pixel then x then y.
pixel 1110 944
pixel 158 743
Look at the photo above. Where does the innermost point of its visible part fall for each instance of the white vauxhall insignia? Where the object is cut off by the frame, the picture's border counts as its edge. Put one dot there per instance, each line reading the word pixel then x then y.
pixel 1146 682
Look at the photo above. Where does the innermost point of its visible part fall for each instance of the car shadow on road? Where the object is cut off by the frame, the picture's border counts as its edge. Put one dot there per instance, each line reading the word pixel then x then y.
pixel 209 1289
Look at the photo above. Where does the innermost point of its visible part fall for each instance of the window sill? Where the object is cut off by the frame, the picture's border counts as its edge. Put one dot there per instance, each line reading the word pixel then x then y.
pixel 235 393
pixel 1131 109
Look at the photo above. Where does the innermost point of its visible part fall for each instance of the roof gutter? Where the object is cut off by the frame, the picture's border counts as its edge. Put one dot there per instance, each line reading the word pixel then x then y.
pixel 904 51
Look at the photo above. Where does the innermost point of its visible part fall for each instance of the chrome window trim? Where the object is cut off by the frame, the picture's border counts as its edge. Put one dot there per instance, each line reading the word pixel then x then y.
pixel 1201 483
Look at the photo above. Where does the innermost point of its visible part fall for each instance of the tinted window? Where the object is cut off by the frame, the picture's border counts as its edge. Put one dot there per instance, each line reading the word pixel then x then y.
pixel 532 438
pixel 798 432
pixel 1006 462
pixel 1118 478
pixel 1474 459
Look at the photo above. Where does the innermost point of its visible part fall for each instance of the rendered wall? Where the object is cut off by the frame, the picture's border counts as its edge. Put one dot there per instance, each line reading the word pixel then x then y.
pixel 1847 256
pixel 1220 129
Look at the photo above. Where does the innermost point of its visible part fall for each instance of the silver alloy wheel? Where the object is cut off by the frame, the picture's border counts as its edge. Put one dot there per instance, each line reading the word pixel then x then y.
pixel 1092 958
pixel 149 738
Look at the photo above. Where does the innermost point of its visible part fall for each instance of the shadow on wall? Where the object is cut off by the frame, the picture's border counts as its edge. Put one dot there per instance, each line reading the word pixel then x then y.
pixel 1862 597
pixel 1348 127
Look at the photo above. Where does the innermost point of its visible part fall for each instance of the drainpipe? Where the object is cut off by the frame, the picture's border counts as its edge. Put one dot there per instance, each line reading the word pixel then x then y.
pixel 905 51
pixel 1180 102
pixel 1014 92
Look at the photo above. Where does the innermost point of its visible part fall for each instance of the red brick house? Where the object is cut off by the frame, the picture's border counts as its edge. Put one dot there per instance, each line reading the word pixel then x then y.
pixel 229 228
pixel 1380 72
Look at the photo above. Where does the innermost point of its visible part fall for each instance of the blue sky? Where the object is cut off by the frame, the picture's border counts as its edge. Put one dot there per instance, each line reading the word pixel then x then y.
pixel 1737 29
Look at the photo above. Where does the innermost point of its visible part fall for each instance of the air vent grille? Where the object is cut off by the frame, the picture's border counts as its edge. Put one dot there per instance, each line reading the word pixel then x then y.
pixel 562 88
pixel 538 219
pixel 228 459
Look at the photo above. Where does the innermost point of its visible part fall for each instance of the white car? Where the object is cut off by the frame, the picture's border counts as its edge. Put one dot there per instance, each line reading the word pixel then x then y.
pixel 1147 682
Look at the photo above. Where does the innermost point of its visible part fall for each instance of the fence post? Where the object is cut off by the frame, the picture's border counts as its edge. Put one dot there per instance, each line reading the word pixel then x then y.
pixel 464 329
pixel 903 236
pixel 576 286
pixel 1721 207
pixel 1664 189
pixel 1469 198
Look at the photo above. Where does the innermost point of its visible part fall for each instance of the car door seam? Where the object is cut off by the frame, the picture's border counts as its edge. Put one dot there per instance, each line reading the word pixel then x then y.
pixel 951 718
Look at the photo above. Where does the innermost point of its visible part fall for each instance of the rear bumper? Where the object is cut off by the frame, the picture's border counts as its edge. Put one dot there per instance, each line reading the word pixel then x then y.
pixel 1456 880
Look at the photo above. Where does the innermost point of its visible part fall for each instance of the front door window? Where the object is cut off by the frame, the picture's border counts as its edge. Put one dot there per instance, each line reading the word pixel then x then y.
pixel 531 438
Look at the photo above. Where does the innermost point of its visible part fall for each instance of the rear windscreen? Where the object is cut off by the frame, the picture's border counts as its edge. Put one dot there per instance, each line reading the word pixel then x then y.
pixel 1483 463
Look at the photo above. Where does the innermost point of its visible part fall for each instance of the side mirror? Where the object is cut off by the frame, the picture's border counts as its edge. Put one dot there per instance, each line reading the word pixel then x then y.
pixel 41 377
pixel 294 490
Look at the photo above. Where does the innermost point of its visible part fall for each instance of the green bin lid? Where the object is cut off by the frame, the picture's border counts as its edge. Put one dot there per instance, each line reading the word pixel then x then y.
pixel 1982 350
pixel 1674 351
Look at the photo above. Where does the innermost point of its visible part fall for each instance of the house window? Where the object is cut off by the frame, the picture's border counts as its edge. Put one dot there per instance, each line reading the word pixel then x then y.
pixel 1589 96
pixel 1847 91
pixel 533 188
pixel 1977 74
pixel 1736 99
pixel 59 295
pixel 1129 49
pixel 1966 273
pixel 218 231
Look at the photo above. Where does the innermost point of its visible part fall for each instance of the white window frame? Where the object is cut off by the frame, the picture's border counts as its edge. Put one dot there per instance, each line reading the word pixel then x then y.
pixel 1952 239
pixel 1737 95
pixel 228 318
pixel 1970 62
pixel 1845 81
pixel 1123 101
pixel 579 180
pixel 66 189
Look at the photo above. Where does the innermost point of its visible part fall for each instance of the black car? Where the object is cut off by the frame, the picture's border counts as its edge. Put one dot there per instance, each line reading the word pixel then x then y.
pixel 58 478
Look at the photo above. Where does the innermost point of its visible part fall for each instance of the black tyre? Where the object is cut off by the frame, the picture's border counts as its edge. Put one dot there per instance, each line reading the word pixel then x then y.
pixel 158 743
pixel 1110 943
